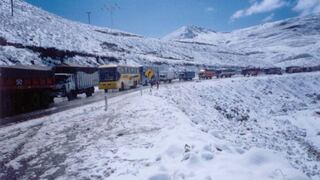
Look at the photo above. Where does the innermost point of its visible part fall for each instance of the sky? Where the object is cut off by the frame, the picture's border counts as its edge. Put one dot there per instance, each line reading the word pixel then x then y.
pixel 157 18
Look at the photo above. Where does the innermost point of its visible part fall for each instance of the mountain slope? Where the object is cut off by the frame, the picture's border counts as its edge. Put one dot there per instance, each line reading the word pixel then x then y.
pixel 188 32
pixel 293 41
pixel 34 36
pixel 31 28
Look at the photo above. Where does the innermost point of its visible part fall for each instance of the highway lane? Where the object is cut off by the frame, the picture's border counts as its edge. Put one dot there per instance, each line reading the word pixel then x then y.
pixel 62 104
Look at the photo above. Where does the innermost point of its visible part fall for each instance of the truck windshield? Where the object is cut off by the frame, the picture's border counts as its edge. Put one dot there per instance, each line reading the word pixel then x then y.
pixel 108 74
pixel 61 78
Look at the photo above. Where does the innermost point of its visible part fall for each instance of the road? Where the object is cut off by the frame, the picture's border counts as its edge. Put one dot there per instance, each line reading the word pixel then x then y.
pixel 62 104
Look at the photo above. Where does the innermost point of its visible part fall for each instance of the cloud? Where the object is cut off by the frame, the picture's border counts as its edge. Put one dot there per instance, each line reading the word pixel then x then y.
pixel 209 9
pixel 305 7
pixel 258 7
pixel 268 18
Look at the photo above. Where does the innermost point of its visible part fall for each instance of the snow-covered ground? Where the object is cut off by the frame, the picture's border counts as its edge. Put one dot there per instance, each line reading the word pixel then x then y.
pixel 289 42
pixel 241 128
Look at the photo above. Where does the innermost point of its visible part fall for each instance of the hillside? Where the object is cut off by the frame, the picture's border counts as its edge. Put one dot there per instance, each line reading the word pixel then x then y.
pixel 34 36
pixel 264 128
pixel 85 44
pixel 293 41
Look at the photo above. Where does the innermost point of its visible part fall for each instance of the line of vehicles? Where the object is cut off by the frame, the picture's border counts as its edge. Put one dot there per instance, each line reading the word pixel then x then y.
pixel 28 88
pixel 253 71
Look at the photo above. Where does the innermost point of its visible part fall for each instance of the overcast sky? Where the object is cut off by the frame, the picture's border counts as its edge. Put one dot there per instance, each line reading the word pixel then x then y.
pixel 156 18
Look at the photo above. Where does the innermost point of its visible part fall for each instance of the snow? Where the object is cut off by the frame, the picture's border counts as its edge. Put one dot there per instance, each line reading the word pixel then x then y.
pixel 241 128
pixel 188 32
pixel 289 42
pixel 284 43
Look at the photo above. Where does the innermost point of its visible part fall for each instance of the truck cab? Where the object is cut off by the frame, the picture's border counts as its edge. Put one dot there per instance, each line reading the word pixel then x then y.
pixel 65 84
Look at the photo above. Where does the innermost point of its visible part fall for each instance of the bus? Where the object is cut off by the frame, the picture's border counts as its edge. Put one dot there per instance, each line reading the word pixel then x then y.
pixel 119 77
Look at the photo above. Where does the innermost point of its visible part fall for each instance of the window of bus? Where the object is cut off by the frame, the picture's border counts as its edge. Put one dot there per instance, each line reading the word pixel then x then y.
pixel 109 74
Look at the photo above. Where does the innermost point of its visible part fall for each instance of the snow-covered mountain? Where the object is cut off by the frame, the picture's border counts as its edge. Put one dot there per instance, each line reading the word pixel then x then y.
pixel 188 32
pixel 293 41
pixel 34 36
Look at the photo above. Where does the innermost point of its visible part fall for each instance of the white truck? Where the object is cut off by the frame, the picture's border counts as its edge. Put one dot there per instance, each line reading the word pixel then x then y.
pixel 167 76
pixel 74 80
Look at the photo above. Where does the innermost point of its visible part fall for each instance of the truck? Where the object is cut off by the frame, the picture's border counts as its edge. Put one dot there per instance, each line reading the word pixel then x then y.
pixel 294 69
pixel 167 76
pixel 251 71
pixel 206 74
pixel 25 88
pixel 273 70
pixel 225 73
pixel 72 80
pixel 187 75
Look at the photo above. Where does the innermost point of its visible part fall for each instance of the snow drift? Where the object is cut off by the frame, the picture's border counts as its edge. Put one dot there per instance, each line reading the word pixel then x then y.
pixel 237 128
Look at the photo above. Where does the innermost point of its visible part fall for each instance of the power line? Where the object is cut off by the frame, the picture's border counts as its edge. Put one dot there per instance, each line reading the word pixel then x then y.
pixel 111 8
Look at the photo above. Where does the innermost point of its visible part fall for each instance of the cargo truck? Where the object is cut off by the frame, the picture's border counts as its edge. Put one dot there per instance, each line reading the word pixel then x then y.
pixel 72 80
pixel 206 74
pixel 187 75
pixel 225 73
pixel 25 88
pixel 167 76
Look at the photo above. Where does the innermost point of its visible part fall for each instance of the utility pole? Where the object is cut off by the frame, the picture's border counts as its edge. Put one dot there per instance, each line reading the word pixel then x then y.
pixel 11 7
pixel 111 8
pixel 89 17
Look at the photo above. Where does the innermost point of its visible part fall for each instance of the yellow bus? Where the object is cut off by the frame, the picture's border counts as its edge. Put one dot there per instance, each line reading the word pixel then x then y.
pixel 119 77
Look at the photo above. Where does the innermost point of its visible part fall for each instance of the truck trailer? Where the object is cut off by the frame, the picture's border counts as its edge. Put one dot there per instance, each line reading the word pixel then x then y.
pixel 167 76
pixel 25 88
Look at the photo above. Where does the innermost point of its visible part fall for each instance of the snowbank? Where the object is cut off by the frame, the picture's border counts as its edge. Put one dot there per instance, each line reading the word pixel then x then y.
pixel 240 128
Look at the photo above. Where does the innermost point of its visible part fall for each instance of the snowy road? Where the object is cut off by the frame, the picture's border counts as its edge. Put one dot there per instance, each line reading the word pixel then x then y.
pixel 242 128
pixel 62 104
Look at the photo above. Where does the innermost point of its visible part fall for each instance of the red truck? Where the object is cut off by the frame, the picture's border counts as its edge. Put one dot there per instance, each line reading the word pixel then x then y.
pixel 25 88
pixel 206 74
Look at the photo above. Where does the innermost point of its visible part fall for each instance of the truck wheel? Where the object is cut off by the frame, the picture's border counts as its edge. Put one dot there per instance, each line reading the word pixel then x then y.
pixel 36 100
pixel 135 84
pixel 45 99
pixel 71 96
pixel 88 93
pixel 51 99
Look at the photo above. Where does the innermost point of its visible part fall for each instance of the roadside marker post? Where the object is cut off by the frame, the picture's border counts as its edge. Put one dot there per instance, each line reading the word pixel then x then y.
pixel 106 101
